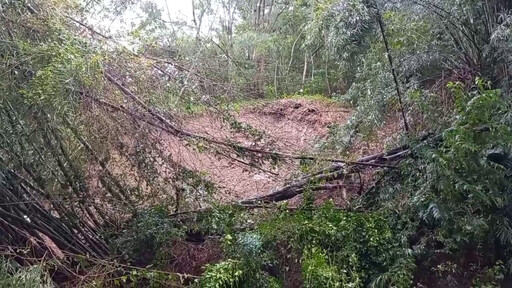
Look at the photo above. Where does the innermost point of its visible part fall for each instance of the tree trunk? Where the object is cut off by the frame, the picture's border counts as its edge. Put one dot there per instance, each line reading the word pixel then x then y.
pixel 305 70
pixel 392 67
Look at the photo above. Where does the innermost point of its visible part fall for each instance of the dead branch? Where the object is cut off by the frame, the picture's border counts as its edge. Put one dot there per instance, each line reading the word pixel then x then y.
pixel 179 132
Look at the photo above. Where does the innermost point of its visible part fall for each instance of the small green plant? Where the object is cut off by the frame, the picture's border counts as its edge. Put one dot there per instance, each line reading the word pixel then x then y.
pixel 235 273
pixel 317 270
pixel 225 274
pixel 12 275
pixel 491 277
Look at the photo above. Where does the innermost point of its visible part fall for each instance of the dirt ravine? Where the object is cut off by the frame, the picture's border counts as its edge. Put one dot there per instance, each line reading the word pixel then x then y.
pixel 288 125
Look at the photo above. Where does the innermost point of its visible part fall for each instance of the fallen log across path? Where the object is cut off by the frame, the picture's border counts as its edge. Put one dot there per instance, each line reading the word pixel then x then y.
pixel 319 181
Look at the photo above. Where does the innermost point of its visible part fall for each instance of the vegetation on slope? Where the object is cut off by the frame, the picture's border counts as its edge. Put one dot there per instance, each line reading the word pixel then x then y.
pixel 89 197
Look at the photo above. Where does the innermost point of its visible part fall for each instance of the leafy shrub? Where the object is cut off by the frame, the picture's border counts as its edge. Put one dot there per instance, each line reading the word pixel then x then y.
pixel 453 191
pixel 243 268
pixel 225 274
pixel 235 273
pixel 317 270
pixel 148 232
pixel 221 219
pixel 491 276
pixel 348 248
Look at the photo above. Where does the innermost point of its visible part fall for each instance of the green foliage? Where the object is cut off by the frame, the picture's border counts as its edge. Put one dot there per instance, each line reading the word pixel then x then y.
pixel 61 66
pixel 222 219
pixel 491 277
pixel 317 270
pixel 149 231
pixel 452 189
pixel 12 275
pixel 145 277
pixel 245 258
pixel 467 176
pixel 348 248
pixel 371 94
pixel 317 83
pixel 450 195
pixel 233 274
pixel 226 274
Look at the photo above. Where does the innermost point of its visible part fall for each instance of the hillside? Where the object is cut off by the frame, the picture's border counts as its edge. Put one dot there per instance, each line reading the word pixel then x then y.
pixel 254 143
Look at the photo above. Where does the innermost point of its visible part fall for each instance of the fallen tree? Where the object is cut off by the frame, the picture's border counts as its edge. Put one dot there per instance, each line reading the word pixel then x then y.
pixel 317 181
pixel 389 159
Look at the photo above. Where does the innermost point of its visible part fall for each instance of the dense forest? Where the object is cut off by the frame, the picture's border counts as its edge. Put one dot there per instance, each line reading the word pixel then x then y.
pixel 255 143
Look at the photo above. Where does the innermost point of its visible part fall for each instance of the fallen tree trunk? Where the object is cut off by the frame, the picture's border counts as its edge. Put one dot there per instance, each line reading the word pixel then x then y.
pixel 317 181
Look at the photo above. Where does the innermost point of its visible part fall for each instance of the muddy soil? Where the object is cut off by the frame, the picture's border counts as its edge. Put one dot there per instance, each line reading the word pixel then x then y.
pixel 292 126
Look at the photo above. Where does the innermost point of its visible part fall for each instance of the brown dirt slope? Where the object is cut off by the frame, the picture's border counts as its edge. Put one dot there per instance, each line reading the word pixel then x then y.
pixel 288 125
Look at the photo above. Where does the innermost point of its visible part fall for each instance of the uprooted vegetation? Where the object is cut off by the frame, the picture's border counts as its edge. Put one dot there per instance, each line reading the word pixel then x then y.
pixel 204 161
